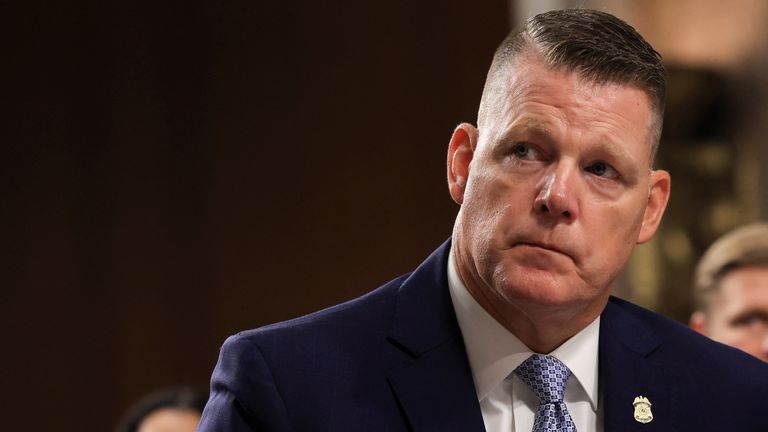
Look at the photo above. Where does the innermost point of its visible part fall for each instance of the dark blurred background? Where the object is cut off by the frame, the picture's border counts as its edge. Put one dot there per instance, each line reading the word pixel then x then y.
pixel 179 171
pixel 185 170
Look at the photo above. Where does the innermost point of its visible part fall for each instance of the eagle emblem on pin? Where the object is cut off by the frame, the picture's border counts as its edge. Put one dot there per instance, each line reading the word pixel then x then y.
pixel 643 412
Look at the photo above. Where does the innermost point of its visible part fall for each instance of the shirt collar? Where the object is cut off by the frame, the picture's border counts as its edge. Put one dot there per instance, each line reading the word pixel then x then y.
pixel 494 352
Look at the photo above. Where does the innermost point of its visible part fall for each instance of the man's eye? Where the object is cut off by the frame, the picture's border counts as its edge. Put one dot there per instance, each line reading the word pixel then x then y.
pixel 523 151
pixel 751 319
pixel 602 169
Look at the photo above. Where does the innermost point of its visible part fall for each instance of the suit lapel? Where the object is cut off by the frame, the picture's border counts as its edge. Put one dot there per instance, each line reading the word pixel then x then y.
pixel 627 371
pixel 429 372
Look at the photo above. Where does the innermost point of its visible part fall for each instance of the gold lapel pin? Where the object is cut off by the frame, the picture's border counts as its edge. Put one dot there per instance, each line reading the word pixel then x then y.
pixel 643 412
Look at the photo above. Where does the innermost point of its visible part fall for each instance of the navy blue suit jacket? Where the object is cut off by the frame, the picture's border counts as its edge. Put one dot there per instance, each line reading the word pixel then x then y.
pixel 394 360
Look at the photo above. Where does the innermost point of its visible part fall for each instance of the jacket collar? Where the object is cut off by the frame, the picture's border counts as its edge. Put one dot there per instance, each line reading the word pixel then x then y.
pixel 429 372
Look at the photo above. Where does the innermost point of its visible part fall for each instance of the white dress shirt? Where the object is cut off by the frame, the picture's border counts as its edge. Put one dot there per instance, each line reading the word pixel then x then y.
pixel 506 402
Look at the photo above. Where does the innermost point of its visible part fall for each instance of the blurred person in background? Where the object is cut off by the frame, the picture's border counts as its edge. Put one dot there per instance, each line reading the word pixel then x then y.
pixel 731 290
pixel 170 410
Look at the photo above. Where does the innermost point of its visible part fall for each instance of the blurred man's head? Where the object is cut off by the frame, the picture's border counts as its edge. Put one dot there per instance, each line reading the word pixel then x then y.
pixel 171 410
pixel 731 290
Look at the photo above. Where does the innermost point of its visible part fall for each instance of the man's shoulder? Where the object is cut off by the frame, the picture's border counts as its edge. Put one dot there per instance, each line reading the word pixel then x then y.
pixel 368 317
pixel 684 373
pixel 367 313
pixel 688 352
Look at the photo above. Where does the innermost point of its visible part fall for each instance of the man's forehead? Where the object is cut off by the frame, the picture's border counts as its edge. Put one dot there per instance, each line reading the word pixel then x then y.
pixel 542 129
pixel 742 287
pixel 522 76
pixel 535 82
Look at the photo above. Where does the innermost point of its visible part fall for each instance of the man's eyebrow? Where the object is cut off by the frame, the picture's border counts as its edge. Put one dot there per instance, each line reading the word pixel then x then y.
pixel 539 129
pixel 533 127
pixel 613 150
pixel 749 313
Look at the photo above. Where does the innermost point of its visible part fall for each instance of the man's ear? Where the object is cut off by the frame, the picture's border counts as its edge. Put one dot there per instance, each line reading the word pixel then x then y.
pixel 658 195
pixel 460 152
pixel 698 322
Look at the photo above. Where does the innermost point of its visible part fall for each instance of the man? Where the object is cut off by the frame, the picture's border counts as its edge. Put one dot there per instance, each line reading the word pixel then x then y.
pixel 510 325
pixel 731 290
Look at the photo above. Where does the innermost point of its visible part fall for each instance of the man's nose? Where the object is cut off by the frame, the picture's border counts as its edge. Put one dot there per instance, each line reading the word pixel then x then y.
pixel 557 197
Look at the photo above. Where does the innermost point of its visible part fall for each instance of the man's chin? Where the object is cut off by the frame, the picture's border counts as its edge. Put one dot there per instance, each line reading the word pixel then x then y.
pixel 534 287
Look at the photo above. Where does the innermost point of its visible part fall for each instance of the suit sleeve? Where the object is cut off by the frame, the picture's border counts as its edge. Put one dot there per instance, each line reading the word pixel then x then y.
pixel 244 397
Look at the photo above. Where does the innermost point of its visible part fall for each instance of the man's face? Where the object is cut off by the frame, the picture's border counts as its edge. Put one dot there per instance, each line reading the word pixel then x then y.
pixel 555 189
pixel 738 315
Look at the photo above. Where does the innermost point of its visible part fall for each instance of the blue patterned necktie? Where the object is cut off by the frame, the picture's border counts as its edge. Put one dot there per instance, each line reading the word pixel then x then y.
pixel 546 377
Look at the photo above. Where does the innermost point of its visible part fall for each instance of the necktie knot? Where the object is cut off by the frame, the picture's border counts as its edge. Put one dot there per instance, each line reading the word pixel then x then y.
pixel 545 376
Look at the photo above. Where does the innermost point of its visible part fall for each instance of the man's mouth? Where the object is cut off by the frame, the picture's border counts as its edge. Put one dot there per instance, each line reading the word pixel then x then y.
pixel 545 246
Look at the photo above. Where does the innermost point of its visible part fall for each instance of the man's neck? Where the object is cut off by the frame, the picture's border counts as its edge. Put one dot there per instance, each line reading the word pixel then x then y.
pixel 542 328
